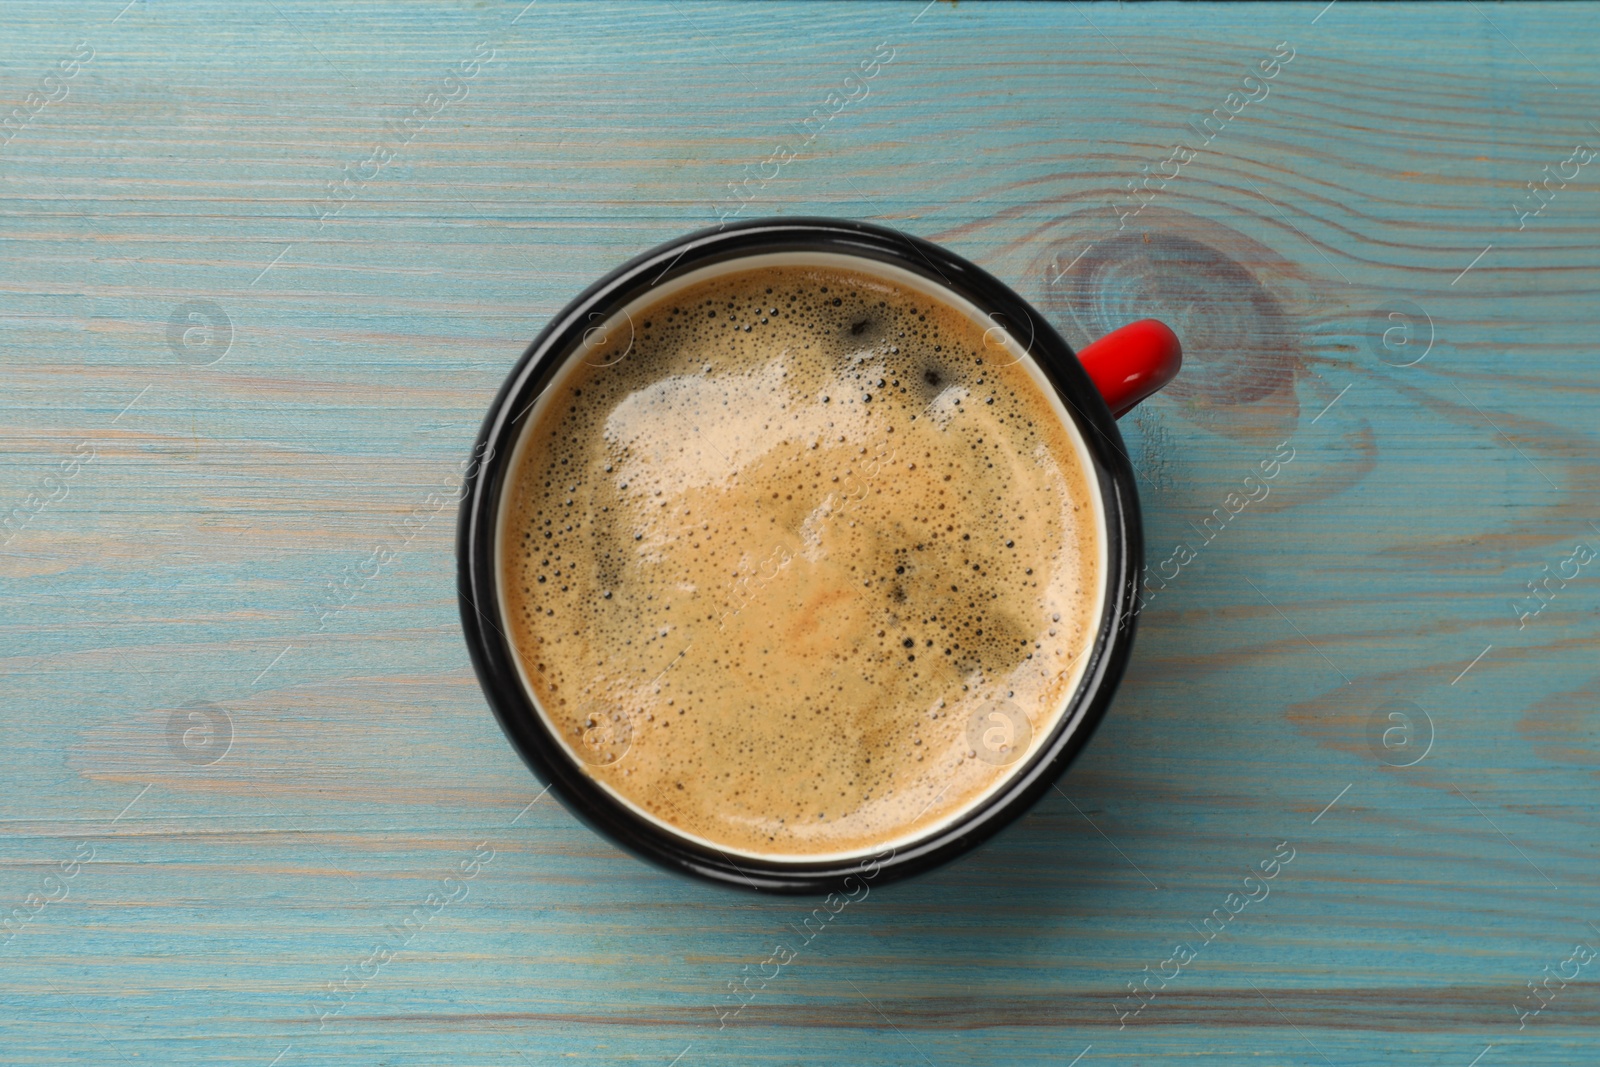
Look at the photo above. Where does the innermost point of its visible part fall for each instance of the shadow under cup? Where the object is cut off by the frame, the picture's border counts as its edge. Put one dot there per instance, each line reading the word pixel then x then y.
pixel 587 326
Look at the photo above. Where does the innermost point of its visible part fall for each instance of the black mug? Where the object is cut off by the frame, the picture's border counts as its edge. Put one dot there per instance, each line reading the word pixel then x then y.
pixel 1106 380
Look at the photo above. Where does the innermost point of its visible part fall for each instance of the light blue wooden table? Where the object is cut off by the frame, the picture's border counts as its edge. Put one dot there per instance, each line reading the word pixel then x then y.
pixel 265 265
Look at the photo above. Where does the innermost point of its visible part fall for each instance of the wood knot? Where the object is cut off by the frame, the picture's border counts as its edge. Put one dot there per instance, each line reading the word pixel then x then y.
pixel 1239 344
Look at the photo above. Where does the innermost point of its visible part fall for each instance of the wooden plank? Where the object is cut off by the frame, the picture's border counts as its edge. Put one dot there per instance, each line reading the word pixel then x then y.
pixel 218 489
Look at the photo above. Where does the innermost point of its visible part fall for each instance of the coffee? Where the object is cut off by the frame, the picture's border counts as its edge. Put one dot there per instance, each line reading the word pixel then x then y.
pixel 800 560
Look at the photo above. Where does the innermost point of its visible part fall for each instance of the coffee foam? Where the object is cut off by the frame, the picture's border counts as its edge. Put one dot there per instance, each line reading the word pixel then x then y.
pixel 781 542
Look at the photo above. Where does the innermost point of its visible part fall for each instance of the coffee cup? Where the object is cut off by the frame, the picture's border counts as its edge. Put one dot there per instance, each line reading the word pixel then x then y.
pixel 573 691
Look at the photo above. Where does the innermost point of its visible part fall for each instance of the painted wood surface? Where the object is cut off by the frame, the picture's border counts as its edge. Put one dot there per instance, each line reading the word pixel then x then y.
pixel 242 352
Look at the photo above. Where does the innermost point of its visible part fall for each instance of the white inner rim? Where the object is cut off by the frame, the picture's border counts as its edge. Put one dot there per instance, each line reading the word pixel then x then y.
pixel 915 283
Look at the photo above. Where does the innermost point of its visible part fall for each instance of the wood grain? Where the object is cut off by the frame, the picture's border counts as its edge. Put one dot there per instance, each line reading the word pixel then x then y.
pixel 345 764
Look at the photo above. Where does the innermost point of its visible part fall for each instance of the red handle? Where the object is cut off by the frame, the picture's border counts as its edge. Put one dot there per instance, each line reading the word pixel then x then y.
pixel 1129 364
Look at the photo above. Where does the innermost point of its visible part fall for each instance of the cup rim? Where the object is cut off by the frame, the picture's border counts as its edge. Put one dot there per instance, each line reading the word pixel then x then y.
pixel 494 659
